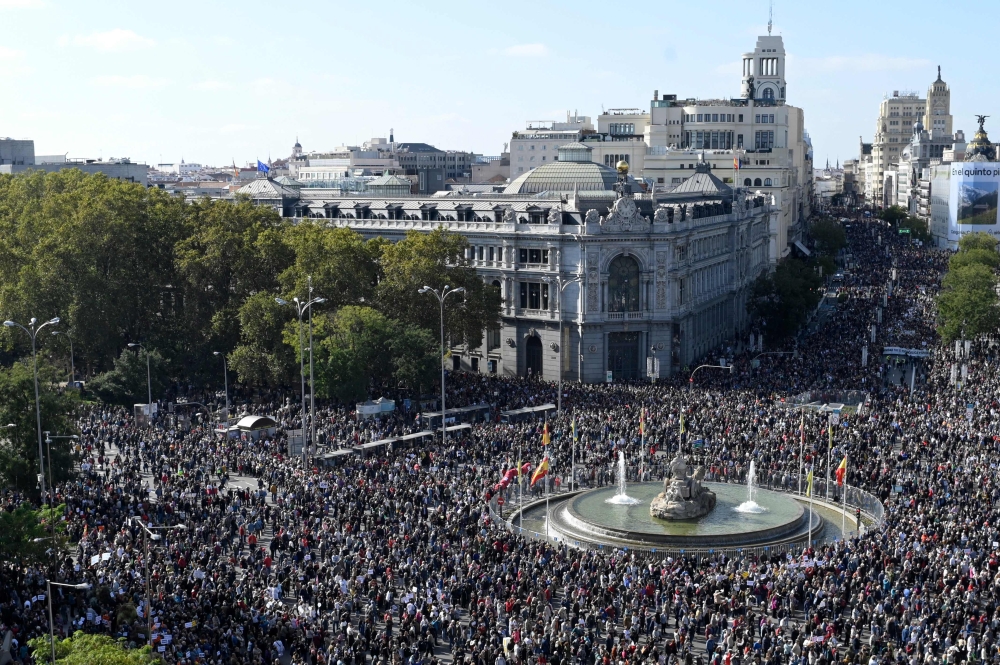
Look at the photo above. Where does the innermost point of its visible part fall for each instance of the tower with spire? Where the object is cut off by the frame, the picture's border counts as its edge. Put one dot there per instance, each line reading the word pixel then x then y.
pixel 937 115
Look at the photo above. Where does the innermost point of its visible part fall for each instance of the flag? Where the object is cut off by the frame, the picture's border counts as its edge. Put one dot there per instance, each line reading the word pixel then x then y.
pixel 262 167
pixel 573 425
pixel 545 435
pixel 541 471
pixel 236 171
pixel 842 471
pixel 736 163
pixel 642 422
pixel 682 422
pixel 809 483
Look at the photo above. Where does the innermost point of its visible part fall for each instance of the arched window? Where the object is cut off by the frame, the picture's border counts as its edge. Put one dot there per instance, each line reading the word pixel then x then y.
pixel 767 93
pixel 623 285
pixel 767 182
pixel 756 182
pixel 747 182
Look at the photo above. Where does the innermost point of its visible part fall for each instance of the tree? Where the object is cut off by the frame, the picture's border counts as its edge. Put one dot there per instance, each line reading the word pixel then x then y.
pixel 19 444
pixel 359 350
pixel 829 235
pixel 967 304
pixel 343 266
pixel 261 359
pixel 126 383
pixel 95 251
pixel 977 240
pixel 85 649
pixel 894 214
pixel 977 256
pixel 437 259
pixel 918 228
pixel 782 301
pixel 23 536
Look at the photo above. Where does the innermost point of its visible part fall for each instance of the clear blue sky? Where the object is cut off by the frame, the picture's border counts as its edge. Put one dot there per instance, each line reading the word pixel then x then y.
pixel 214 82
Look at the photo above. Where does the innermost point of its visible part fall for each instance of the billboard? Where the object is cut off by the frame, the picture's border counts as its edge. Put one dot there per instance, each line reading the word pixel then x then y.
pixel 973 194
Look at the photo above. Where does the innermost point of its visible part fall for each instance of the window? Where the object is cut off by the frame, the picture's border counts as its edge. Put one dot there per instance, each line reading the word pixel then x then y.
pixel 715 117
pixel 699 117
pixel 741 117
pixel 475 364
pixel 522 255
pixel 675 181
pixel 534 256
pixel 768 93
pixel 491 258
pixel 767 182
pixel 756 182
pixel 479 253
pixel 746 182
pixel 623 285
pixel 764 140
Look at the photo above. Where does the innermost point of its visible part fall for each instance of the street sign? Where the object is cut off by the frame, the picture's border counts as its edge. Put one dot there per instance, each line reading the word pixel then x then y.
pixel 610 376
pixel 835 417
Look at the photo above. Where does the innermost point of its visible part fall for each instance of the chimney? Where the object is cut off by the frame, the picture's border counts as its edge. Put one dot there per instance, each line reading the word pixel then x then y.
pixel 656 94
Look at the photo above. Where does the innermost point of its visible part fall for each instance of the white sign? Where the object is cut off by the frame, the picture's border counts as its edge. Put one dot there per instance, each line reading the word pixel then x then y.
pixel 610 376
pixel 972 204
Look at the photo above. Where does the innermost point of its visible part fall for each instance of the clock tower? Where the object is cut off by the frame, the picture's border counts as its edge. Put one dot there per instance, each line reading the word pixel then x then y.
pixel 937 115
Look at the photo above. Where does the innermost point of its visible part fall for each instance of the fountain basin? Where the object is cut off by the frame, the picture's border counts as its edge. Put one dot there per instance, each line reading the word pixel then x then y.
pixel 588 519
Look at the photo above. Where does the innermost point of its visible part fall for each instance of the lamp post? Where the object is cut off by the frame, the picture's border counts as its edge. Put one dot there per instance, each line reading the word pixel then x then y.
pixel 52 486
pixel 225 377
pixel 48 588
pixel 149 380
pixel 691 378
pixel 441 295
pixel 33 329
pixel 72 364
pixel 560 284
pixel 150 535
pixel 300 309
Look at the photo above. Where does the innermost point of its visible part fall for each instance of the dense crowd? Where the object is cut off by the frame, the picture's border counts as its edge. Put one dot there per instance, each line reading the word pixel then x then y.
pixel 396 558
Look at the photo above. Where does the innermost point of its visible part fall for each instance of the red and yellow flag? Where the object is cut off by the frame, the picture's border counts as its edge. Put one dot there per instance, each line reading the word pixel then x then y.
pixel 541 471
pixel 642 422
pixel 842 471
pixel 545 435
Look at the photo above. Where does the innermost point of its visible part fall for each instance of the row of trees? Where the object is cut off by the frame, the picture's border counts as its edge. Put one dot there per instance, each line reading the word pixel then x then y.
pixel 780 302
pixel 902 221
pixel 968 303
pixel 121 263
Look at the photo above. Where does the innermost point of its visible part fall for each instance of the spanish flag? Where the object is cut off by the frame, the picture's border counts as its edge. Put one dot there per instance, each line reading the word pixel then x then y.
pixel 642 422
pixel 541 471
pixel 809 483
pixel 545 435
pixel 682 422
pixel 736 163
pixel 842 471
pixel 574 430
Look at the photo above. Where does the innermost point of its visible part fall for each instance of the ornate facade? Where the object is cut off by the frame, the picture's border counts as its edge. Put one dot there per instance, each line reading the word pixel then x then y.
pixel 630 274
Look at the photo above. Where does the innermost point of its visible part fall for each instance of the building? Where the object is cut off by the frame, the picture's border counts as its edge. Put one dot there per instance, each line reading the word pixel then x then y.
pixel 828 184
pixel 632 275
pixel 18 156
pixel 539 143
pixel 897 119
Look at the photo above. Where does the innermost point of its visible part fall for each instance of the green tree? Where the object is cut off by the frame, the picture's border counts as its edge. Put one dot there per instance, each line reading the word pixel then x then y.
pixel 783 300
pixel 85 649
pixel 126 383
pixel 977 240
pixel 95 251
pixel 343 266
pixel 918 228
pixel 967 304
pixel 829 235
pixel 986 257
pixel 19 444
pixel 893 214
pixel 24 535
pixel 261 359
pixel 437 259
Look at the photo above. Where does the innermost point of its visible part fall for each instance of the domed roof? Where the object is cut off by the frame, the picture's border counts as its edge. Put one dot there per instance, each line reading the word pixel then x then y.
pixel 573 171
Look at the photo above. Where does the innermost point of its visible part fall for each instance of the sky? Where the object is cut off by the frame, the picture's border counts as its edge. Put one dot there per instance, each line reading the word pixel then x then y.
pixel 221 82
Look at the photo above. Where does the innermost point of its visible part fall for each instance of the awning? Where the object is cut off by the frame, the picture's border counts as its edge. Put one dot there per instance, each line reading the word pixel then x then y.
pixel 802 248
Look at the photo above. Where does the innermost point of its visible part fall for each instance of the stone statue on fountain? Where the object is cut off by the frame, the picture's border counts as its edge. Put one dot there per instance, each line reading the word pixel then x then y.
pixel 683 496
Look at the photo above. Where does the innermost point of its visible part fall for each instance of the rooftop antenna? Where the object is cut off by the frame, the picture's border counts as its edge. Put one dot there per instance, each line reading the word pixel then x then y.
pixel 770 13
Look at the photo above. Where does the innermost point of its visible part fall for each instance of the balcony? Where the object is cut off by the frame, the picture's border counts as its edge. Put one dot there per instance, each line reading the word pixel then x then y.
pixel 624 316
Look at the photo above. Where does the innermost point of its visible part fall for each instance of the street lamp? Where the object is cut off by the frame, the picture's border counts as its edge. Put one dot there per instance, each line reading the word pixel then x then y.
pixel 560 284
pixel 48 587
pixel 300 308
pixel 52 486
pixel 72 364
pixel 225 376
pixel 441 295
pixel 150 535
pixel 149 380
pixel 33 329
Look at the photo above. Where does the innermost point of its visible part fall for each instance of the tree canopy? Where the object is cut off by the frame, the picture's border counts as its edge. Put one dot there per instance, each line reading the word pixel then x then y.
pixel 120 263
pixel 968 303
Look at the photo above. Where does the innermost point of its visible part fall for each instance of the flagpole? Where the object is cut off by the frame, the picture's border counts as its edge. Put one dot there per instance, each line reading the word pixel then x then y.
pixel 520 489
pixel 548 490
pixel 843 503
pixel 810 534
pixel 829 455
pixel 802 446
pixel 572 480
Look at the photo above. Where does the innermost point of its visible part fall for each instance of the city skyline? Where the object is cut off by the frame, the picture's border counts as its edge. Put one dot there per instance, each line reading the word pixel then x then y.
pixel 121 80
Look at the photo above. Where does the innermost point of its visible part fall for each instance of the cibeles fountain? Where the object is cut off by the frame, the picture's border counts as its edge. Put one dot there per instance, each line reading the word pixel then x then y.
pixel 683 512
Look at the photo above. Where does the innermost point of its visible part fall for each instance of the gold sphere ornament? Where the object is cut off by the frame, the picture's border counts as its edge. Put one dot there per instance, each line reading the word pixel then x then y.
pixel 622 166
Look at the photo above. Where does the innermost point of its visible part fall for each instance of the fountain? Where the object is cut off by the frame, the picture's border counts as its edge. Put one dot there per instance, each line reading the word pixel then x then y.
pixel 750 506
pixel 621 498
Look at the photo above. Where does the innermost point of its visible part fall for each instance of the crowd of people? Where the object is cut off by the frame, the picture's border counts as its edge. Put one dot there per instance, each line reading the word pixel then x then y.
pixel 395 558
